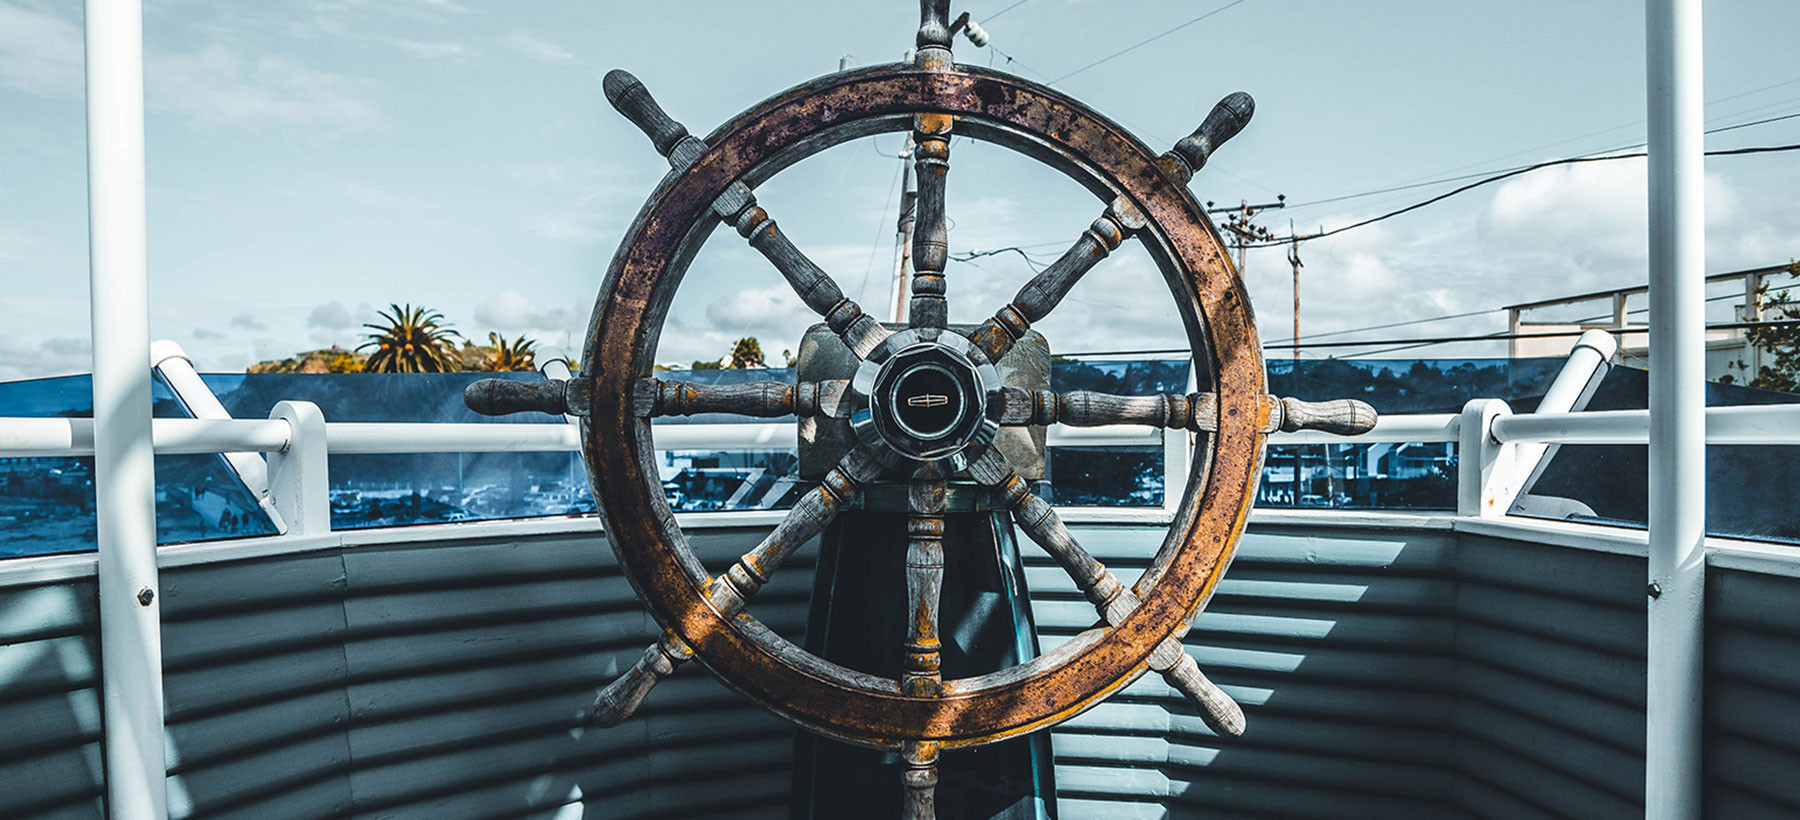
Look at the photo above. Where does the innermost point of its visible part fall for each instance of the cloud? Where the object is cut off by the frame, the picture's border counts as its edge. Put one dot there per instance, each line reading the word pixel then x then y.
pixel 431 51
pixel 557 330
pixel 540 50
pixel 247 322
pixel 761 312
pixel 204 334
pixel 40 52
pixel 331 316
pixel 216 86
pixel 56 356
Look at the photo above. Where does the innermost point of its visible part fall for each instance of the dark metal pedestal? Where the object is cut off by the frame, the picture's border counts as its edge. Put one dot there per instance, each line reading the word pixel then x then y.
pixel 858 619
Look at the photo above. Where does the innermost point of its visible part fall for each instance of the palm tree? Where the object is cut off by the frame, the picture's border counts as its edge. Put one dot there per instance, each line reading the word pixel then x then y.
pixel 516 355
pixel 414 340
pixel 747 352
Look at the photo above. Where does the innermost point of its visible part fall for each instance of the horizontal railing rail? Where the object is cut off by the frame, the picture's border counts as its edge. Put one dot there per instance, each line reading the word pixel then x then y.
pixel 1768 424
pixel 282 460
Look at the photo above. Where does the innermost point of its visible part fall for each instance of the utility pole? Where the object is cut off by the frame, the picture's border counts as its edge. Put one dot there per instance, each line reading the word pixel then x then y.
pixel 903 237
pixel 909 189
pixel 1237 223
pixel 1294 259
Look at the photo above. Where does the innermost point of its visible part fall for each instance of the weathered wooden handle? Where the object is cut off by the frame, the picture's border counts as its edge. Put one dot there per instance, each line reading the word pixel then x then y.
pixel 631 98
pixel 934 23
pixel 1224 122
pixel 500 397
pixel 1342 417
pixel 1222 714
pixel 623 696
pixel 919 779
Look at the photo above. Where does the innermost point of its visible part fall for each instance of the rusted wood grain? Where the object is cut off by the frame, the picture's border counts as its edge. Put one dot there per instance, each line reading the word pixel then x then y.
pixel 927 498
pixel 931 238
pixel 657 397
pixel 919 781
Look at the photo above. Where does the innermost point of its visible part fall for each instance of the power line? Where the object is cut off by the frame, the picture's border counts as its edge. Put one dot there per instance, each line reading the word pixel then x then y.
pixel 1430 182
pixel 990 18
pixel 1391 325
pixel 1141 44
pixel 1437 340
pixel 1761 149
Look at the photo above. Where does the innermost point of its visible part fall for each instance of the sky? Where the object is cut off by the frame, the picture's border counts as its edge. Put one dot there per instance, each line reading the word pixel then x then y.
pixel 311 162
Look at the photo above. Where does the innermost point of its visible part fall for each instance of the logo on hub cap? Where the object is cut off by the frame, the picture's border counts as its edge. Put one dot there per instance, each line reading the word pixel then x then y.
pixel 925 399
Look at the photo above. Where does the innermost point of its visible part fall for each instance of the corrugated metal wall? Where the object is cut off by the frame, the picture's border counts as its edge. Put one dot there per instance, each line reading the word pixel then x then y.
pixel 1338 644
pixel 433 680
pixel 1385 672
pixel 1550 652
pixel 1752 694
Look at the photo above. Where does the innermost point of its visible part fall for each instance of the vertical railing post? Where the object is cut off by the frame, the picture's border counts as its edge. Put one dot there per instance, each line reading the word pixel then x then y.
pixel 1178 457
pixel 299 475
pixel 1485 468
pixel 1677 499
pixel 124 462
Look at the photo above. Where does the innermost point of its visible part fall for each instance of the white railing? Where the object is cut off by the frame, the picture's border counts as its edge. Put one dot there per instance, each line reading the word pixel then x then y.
pixel 1500 453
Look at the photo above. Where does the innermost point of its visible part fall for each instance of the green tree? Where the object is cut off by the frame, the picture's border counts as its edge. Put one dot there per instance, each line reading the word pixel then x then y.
pixel 328 360
pixel 413 340
pixel 1780 344
pixel 746 353
pixel 519 354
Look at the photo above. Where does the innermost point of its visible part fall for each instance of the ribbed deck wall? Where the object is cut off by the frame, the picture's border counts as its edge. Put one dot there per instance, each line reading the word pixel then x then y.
pixel 1390 667
pixel 1753 694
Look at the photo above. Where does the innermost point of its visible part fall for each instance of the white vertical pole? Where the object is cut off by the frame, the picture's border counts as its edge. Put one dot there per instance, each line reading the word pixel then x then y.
pixel 1677 409
pixel 124 469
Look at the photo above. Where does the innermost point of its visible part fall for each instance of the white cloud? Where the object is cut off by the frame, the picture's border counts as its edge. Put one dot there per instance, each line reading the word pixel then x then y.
pixel 540 50
pixel 206 335
pixel 330 316
pixel 558 330
pixel 431 51
pixel 247 322
pixel 216 86
pixel 56 356
pixel 40 52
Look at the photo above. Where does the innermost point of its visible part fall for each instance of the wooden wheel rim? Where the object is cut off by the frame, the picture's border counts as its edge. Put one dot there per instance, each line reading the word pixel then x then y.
pixel 771 671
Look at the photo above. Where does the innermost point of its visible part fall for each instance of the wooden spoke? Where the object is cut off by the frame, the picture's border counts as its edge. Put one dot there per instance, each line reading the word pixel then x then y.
pixel 1114 601
pixel 1045 291
pixel 730 591
pixel 1194 411
pixel 931 244
pixel 860 332
pixel 656 397
pixel 1343 417
pixel 1085 408
pixel 920 780
pixel 927 498
pixel 737 207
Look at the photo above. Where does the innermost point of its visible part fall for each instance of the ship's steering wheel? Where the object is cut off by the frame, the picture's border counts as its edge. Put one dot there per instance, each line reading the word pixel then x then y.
pixel 925 404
